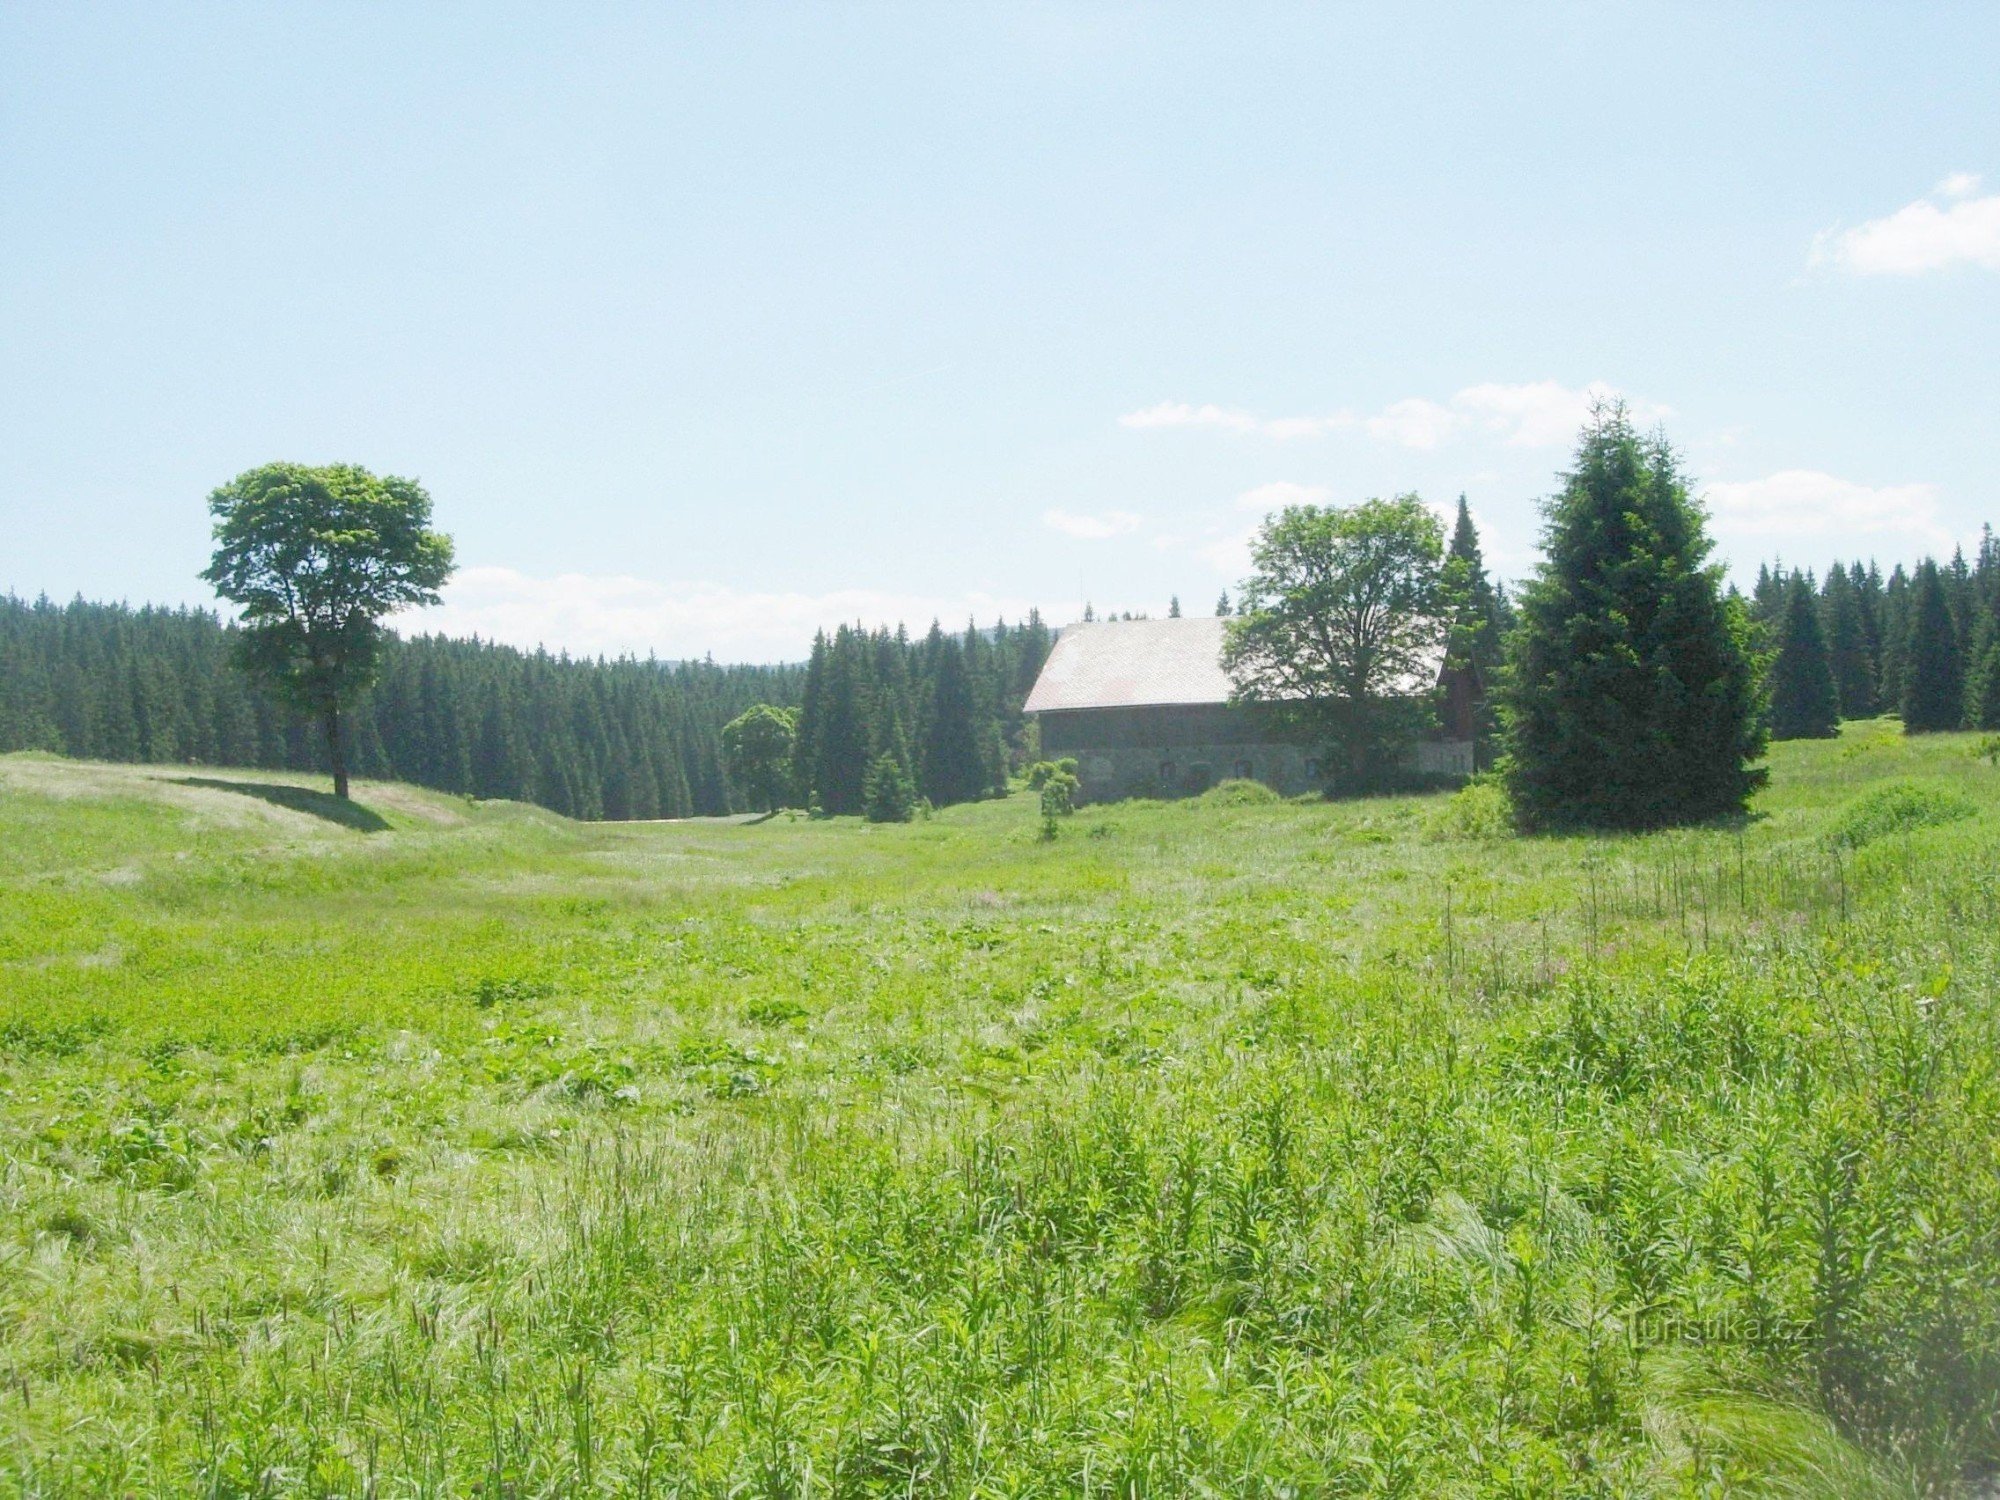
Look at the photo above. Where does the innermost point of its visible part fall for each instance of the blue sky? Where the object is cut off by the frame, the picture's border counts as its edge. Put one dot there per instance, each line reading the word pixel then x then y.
pixel 708 325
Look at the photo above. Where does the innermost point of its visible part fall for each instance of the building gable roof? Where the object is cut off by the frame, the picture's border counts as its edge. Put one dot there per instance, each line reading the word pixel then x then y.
pixel 1133 664
pixel 1145 664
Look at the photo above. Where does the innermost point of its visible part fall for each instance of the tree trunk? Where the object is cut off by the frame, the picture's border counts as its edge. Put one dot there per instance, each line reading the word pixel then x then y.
pixel 336 751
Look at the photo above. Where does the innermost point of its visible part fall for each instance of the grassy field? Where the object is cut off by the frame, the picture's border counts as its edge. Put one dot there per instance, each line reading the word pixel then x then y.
pixel 1231 1147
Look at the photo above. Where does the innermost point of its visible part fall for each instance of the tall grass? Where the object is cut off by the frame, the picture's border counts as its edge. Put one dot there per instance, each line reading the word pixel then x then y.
pixel 1233 1147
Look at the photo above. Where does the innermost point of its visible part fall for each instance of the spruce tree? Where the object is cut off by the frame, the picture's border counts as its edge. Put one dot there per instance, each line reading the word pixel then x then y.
pixel 842 747
pixel 1805 705
pixel 953 768
pixel 1868 593
pixel 1632 696
pixel 1895 617
pixel 1479 625
pixel 1847 649
pixel 1982 678
pixel 1767 595
pixel 1933 680
pixel 1958 597
pixel 887 795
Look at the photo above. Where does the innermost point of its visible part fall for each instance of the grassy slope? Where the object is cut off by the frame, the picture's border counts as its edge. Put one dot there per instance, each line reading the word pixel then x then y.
pixel 1278 1149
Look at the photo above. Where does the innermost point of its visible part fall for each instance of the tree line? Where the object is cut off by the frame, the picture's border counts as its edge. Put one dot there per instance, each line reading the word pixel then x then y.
pixel 586 737
pixel 885 719
pixel 1923 643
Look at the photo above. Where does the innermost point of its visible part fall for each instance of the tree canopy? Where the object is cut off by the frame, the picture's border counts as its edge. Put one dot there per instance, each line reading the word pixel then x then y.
pixel 758 743
pixel 314 558
pixel 1342 623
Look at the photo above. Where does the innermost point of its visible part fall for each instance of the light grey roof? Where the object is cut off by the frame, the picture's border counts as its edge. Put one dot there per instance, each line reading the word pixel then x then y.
pixel 1143 663
pixel 1129 663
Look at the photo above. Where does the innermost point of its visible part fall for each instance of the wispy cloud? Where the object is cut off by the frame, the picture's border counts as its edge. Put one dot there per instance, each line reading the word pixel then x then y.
pixel 1280 493
pixel 1950 226
pixel 1233 419
pixel 1534 414
pixel 612 614
pixel 1414 422
pixel 1226 548
pixel 1228 552
pixel 1545 413
pixel 1806 504
pixel 1091 528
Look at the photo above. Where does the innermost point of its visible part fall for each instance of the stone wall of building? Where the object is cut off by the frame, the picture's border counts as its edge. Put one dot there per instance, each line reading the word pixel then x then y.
pixel 1184 770
pixel 1179 752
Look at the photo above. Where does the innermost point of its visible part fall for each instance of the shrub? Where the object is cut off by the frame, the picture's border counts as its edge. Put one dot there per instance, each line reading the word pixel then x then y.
pixel 1898 807
pixel 1058 796
pixel 1041 771
pixel 1477 811
pixel 1239 792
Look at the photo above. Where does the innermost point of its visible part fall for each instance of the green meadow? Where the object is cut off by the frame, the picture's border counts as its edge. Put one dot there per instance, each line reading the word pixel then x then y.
pixel 1231 1147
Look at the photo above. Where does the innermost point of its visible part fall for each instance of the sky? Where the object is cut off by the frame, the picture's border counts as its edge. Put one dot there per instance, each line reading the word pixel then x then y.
pixel 708 326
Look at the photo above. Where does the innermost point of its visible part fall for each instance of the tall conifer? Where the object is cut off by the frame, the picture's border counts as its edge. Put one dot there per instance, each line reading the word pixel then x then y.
pixel 1805 704
pixel 1933 679
pixel 1632 698
pixel 1982 677
pixel 1479 629
pixel 1847 649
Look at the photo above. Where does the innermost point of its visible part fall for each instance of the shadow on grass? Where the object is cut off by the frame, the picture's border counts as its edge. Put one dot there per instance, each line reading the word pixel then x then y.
pixel 298 799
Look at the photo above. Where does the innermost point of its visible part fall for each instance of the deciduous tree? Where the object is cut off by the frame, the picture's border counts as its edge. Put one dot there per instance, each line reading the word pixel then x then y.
pixel 758 746
pixel 1342 625
pixel 315 558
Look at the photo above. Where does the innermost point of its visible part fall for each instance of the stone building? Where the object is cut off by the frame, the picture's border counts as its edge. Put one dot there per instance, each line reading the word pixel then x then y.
pixel 1143 708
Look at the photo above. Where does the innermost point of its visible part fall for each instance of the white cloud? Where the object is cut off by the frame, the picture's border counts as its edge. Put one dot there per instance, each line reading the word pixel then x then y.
pixel 1091 528
pixel 1949 228
pixel 1280 493
pixel 1228 553
pixel 1806 503
pixel 1227 549
pixel 613 614
pixel 1535 414
pixel 1232 419
pixel 1543 413
pixel 1414 423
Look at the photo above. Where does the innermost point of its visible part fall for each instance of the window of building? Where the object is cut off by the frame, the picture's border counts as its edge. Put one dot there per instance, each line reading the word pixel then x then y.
pixel 1243 771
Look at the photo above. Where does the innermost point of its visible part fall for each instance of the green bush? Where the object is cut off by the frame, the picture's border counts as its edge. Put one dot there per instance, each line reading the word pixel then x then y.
pixel 1898 807
pixel 1239 792
pixel 1058 795
pixel 1042 771
pixel 1477 811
